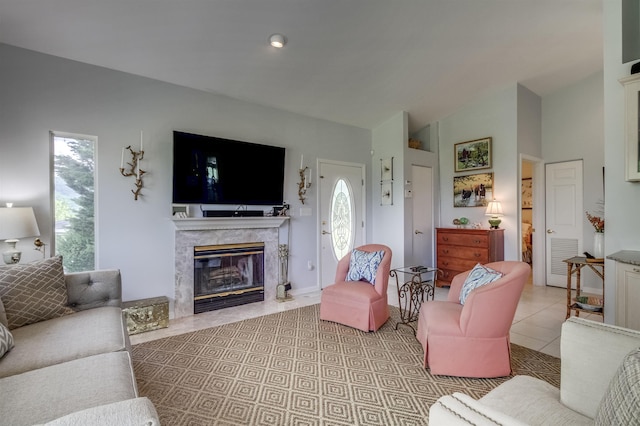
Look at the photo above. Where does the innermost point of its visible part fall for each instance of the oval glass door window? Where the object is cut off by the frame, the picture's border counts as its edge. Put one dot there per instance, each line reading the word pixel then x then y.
pixel 341 219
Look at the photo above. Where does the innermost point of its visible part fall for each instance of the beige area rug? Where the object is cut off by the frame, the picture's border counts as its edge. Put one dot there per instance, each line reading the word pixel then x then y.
pixel 291 368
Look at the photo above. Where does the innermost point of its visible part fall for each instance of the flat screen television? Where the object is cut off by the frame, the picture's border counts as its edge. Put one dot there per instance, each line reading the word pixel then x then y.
pixel 211 170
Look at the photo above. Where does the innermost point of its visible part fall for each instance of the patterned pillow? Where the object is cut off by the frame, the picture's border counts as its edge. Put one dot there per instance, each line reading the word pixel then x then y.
pixel 6 340
pixel 621 402
pixel 364 265
pixel 480 275
pixel 33 292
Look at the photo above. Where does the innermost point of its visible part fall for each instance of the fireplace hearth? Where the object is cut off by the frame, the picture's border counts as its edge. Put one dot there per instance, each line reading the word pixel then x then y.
pixel 227 275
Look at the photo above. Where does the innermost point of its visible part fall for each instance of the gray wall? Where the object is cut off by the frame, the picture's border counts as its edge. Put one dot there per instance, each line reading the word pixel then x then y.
pixel 40 93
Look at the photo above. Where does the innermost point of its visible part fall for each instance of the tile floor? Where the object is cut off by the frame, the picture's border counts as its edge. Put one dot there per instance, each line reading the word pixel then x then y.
pixel 536 325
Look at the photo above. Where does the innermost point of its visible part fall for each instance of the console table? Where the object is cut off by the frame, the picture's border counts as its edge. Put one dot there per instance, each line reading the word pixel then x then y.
pixel 574 266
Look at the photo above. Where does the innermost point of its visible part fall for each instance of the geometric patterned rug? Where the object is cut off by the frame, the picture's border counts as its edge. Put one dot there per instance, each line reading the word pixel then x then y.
pixel 291 368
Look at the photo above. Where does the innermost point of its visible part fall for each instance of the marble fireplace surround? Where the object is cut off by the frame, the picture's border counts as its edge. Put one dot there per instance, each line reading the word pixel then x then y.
pixel 191 232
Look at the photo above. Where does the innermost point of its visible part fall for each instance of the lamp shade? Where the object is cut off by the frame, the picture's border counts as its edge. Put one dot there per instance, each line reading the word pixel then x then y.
pixel 17 222
pixel 494 208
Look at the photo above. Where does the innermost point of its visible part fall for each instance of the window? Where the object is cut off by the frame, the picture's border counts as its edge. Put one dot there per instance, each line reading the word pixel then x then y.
pixel 341 219
pixel 73 197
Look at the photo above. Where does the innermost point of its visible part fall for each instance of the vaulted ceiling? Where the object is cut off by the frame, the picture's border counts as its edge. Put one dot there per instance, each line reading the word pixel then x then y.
pixel 356 62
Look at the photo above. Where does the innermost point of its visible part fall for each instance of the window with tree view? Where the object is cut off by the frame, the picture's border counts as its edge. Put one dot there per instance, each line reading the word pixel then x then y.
pixel 74 213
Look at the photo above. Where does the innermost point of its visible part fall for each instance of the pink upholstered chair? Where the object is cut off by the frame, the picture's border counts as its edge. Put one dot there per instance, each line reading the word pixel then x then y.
pixel 472 340
pixel 358 304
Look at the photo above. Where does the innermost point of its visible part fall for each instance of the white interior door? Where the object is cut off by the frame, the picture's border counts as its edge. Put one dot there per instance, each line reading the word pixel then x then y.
pixel 563 218
pixel 341 213
pixel 422 194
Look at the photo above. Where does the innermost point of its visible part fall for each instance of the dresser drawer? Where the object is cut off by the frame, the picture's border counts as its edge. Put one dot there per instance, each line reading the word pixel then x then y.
pixel 469 253
pixel 467 240
pixel 446 262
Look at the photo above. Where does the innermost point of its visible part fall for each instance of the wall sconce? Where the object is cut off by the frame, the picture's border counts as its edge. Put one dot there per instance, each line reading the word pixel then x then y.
pixel 304 183
pixel 15 223
pixel 134 167
pixel 494 209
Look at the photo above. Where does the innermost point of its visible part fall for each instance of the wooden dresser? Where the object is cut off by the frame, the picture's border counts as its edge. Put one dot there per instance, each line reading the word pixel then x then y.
pixel 460 249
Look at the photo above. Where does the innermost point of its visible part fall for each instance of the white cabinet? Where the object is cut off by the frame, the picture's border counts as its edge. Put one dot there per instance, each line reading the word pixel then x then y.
pixel 628 295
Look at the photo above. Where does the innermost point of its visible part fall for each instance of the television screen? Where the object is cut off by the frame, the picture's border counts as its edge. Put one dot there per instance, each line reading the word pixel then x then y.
pixel 210 170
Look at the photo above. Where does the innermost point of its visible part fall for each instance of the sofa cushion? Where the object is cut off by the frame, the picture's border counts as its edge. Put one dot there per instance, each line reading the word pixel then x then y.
pixel 621 402
pixel 66 338
pixel 45 394
pixel 363 265
pixel 33 292
pixel 6 340
pixel 131 412
pixel 532 401
pixel 3 315
pixel 480 275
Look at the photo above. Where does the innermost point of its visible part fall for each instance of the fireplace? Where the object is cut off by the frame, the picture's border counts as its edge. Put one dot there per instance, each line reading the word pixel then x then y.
pixel 227 275
pixel 194 232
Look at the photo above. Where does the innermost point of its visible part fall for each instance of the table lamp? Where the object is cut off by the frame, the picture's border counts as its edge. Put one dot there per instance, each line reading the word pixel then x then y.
pixel 494 209
pixel 15 223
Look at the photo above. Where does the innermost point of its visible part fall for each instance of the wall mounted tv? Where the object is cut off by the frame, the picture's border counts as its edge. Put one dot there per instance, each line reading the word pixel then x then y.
pixel 210 170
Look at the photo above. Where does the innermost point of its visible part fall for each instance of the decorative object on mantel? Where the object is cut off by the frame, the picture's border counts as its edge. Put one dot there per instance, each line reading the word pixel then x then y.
pixel 598 237
pixel 304 183
pixel 134 166
pixel 284 286
pixel 494 209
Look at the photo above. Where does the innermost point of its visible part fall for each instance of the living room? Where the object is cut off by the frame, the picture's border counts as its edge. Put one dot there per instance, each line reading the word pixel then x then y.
pixel 43 93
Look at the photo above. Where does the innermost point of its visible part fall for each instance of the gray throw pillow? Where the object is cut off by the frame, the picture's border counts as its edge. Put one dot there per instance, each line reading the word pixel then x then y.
pixel 33 292
pixel 621 402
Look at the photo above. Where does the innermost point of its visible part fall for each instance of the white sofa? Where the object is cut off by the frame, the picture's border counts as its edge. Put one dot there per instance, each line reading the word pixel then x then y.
pixel 590 392
pixel 70 369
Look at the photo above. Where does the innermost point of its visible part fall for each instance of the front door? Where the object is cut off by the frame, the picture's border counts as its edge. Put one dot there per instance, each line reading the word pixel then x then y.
pixel 563 218
pixel 341 208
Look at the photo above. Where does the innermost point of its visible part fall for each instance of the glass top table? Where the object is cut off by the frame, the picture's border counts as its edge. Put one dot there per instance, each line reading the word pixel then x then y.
pixel 415 285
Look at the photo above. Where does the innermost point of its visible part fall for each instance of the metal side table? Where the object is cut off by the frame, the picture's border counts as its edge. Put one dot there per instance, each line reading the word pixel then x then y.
pixel 413 283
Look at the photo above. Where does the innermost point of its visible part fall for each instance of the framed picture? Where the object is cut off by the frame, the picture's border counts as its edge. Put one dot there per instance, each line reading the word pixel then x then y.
pixel 527 193
pixel 386 193
pixel 472 190
pixel 473 155
pixel 386 169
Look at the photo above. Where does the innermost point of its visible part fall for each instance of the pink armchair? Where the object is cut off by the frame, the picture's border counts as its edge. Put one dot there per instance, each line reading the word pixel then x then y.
pixel 472 340
pixel 358 304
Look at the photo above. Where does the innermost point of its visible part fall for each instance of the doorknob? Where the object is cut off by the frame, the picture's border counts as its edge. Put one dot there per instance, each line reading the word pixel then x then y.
pixel 550 231
pixel 325 232
pixel 418 232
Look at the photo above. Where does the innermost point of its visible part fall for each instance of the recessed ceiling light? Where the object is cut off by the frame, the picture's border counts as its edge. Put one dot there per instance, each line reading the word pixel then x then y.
pixel 277 40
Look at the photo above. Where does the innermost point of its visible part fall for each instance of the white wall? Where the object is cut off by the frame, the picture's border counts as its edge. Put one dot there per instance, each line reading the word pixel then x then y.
pixel 622 227
pixel 493 115
pixel 40 93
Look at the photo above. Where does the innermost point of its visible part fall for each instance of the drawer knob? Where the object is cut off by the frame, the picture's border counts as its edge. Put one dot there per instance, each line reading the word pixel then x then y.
pixel 476 254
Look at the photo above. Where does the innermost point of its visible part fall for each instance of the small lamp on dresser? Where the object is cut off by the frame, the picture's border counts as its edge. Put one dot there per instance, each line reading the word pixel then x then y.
pixel 494 210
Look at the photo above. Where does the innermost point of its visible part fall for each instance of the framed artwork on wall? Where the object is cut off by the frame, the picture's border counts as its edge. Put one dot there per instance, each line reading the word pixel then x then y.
pixel 472 190
pixel 527 193
pixel 472 155
pixel 386 193
pixel 386 169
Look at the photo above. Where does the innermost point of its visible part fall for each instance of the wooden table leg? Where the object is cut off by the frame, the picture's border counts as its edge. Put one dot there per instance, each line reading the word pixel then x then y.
pixel 569 267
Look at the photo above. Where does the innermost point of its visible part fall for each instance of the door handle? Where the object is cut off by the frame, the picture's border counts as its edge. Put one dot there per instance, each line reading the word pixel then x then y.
pixel 418 232
pixel 550 231
pixel 325 232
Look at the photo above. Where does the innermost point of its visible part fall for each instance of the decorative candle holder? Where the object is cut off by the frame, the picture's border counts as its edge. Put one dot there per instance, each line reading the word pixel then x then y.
pixel 134 169
pixel 304 184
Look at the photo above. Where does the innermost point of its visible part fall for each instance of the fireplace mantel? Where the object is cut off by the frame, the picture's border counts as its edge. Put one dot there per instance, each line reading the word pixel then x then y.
pixel 208 223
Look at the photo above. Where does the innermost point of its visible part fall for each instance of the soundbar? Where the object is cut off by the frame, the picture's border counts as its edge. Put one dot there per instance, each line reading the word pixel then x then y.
pixel 232 213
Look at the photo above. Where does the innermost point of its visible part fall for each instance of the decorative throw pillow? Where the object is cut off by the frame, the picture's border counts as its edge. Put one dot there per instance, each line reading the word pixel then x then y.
pixel 6 340
pixel 33 292
pixel 364 265
pixel 480 275
pixel 620 404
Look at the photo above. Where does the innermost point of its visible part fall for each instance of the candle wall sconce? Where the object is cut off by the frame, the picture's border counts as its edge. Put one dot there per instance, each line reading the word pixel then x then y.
pixel 134 168
pixel 304 183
